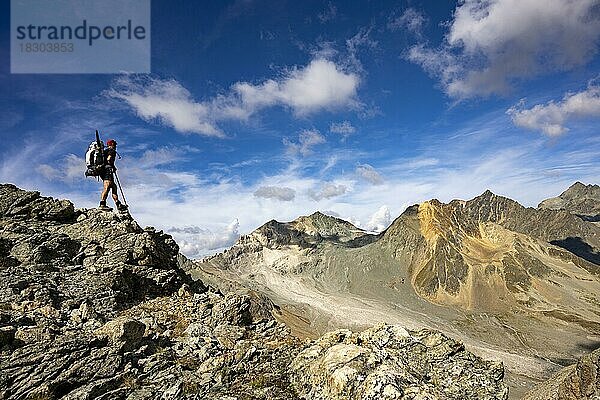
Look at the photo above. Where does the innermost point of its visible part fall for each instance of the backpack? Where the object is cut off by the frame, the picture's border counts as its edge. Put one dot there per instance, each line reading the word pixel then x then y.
pixel 94 158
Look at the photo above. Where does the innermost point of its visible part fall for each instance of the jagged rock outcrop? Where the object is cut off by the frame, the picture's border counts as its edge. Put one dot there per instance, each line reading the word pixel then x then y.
pixel 56 262
pixel 579 381
pixel 94 307
pixel 388 362
pixel 582 200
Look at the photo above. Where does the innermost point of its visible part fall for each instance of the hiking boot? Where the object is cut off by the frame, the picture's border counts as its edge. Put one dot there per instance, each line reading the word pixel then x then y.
pixel 122 207
pixel 104 207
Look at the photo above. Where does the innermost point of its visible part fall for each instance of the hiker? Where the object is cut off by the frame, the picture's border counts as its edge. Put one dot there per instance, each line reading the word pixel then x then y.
pixel 107 175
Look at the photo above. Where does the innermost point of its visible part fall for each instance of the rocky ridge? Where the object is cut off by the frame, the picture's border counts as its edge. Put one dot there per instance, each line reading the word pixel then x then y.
pixel 92 306
pixel 577 381
pixel 580 199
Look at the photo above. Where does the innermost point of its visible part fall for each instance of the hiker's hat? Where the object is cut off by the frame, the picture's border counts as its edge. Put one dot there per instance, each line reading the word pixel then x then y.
pixel 111 142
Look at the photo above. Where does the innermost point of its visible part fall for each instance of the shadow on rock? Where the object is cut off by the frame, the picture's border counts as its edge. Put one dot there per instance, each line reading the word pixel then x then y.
pixel 577 246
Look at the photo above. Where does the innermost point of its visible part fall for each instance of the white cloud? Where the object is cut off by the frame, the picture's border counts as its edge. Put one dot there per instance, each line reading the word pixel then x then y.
pixel 368 173
pixel 344 128
pixel 357 43
pixel 168 102
pixel 411 20
pixel 70 169
pixel 307 139
pixel 551 118
pixel 275 192
pixel 490 45
pixel 162 156
pixel 48 172
pixel 195 241
pixel 421 162
pixel 328 191
pixel 320 85
pixel 380 220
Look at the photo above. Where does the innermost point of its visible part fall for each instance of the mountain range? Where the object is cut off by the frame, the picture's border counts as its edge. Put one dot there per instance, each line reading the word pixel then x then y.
pixel 512 282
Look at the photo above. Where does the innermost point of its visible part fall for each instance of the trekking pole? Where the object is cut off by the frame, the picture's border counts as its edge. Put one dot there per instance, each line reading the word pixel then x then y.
pixel 121 189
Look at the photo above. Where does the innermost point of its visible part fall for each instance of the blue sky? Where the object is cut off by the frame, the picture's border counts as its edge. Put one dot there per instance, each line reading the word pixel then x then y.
pixel 257 110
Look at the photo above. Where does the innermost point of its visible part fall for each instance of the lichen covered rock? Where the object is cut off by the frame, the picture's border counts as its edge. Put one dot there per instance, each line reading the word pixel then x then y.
pixel 387 362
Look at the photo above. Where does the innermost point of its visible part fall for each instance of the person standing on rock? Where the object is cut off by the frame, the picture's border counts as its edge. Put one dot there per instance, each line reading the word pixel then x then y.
pixel 108 177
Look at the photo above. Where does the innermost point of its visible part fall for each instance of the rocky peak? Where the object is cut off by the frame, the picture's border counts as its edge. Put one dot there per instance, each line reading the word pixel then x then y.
pixel 304 232
pixel 57 258
pixel 487 242
pixel 488 194
pixel 579 199
pixel 326 226
pixel 582 188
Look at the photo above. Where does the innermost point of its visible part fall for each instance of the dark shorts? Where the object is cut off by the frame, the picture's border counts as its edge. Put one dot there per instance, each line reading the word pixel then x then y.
pixel 107 174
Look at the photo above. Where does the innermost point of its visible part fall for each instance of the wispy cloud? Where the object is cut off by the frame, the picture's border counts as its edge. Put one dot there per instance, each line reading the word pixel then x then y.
pixel 281 193
pixel 307 139
pixel 69 170
pixel 489 45
pixel 551 118
pixel 328 14
pixel 343 128
pixel 369 174
pixel 362 41
pixel 411 20
pixel 320 85
pixel 327 191
pixel 168 102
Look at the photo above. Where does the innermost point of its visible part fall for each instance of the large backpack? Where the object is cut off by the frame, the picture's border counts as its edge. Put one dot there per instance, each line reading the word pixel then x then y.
pixel 94 157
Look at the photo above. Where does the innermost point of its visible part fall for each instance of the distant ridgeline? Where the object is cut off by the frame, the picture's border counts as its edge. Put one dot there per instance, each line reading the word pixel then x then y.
pixel 512 282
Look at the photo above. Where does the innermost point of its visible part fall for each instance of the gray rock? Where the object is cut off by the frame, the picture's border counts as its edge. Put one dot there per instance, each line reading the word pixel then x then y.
pixel 580 381
pixel 582 200
pixel 123 330
pixel 386 362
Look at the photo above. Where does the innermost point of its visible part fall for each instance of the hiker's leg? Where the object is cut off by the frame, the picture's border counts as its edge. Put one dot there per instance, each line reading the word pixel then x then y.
pixel 104 194
pixel 115 196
